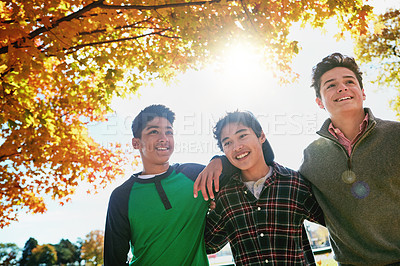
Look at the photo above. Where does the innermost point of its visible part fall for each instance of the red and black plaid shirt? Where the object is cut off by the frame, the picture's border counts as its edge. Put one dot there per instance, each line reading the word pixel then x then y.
pixel 265 231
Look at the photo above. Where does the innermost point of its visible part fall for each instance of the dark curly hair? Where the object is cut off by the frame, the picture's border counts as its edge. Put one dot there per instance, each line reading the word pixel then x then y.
pixel 330 62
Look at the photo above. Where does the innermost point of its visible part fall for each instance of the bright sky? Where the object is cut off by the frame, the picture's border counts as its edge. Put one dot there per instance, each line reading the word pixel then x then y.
pixel 289 116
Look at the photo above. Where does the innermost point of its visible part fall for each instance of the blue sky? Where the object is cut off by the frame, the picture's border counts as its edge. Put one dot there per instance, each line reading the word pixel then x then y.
pixel 288 114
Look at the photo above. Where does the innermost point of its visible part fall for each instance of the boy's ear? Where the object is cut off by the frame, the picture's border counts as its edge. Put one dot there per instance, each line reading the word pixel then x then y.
pixel 320 103
pixel 262 137
pixel 136 143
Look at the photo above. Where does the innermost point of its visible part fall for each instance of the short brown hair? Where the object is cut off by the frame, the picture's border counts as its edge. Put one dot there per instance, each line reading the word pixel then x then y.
pixel 330 62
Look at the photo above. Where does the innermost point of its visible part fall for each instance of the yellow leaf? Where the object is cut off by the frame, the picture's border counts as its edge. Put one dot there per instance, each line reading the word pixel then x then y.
pixel 379 27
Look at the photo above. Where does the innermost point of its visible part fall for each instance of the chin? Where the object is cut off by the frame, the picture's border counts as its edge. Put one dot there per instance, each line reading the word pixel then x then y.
pixel 235 164
pixel 163 159
pixel 241 167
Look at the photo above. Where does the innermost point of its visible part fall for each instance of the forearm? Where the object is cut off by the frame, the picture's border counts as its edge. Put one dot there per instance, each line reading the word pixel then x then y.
pixel 313 210
pixel 215 242
pixel 215 236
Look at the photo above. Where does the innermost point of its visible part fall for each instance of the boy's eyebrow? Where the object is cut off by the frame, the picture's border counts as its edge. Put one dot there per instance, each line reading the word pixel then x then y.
pixel 241 130
pixel 151 127
pixel 224 139
pixel 349 76
pixel 330 80
pixel 237 132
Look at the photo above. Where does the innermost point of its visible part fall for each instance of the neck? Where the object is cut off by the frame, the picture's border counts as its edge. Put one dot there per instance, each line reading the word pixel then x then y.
pixel 155 169
pixel 349 124
pixel 255 173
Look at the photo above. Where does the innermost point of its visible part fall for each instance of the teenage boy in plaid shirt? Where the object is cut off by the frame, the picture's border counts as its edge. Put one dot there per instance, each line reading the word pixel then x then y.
pixel 261 210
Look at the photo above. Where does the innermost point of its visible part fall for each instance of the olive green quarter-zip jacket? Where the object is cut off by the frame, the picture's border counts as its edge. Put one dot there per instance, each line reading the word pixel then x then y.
pixel 359 194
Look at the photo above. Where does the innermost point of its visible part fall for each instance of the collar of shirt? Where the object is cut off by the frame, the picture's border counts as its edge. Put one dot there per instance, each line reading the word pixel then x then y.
pixel 149 176
pixel 257 186
pixel 277 170
pixel 348 144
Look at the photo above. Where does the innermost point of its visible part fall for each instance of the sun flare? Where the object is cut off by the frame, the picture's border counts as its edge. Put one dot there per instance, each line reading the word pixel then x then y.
pixel 243 71
pixel 243 60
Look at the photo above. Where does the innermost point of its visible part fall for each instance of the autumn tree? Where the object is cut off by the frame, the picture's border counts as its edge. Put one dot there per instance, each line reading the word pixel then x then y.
pixel 379 50
pixel 61 63
pixel 92 247
pixel 43 255
pixel 8 254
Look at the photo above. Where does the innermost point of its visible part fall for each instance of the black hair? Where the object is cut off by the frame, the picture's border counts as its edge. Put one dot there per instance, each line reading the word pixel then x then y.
pixel 247 119
pixel 148 114
pixel 330 62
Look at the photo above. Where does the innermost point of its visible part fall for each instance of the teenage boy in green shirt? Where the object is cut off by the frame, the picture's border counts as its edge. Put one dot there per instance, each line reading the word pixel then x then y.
pixel 154 212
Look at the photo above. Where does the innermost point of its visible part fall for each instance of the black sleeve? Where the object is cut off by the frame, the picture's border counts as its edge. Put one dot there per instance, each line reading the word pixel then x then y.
pixel 215 235
pixel 191 170
pixel 117 232
pixel 314 212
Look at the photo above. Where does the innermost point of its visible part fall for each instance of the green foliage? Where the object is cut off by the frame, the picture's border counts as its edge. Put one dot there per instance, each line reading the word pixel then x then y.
pixel 380 49
pixel 27 251
pixel 63 253
pixel 43 254
pixel 67 252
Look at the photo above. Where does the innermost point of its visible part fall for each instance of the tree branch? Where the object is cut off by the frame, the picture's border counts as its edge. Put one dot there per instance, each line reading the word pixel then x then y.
pixel 155 7
pixel 394 49
pixel 248 16
pixel 42 47
pixel 116 28
pixel 4 157
pixel 9 69
pixel 100 4
pixel 75 48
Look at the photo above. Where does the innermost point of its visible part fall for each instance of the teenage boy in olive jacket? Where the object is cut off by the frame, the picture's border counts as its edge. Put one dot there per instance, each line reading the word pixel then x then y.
pixel 355 168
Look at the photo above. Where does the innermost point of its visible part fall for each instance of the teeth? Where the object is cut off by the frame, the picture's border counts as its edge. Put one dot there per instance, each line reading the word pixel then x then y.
pixel 162 149
pixel 342 99
pixel 242 155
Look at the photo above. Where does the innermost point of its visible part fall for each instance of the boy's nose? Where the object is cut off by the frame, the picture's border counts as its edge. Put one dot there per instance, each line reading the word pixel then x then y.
pixel 238 147
pixel 163 137
pixel 341 88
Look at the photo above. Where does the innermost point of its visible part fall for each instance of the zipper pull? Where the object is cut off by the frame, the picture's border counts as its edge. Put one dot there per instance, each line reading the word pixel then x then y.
pixel 348 176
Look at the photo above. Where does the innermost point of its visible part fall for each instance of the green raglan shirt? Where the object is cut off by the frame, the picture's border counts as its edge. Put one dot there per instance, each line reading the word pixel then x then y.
pixel 159 219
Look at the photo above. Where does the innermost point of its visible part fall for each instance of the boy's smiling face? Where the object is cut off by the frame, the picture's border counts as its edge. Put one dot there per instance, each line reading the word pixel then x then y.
pixel 156 144
pixel 241 146
pixel 340 92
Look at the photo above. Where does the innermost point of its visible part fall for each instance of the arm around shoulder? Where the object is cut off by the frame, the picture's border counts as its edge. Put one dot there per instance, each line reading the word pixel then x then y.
pixel 208 180
pixel 311 206
pixel 215 234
